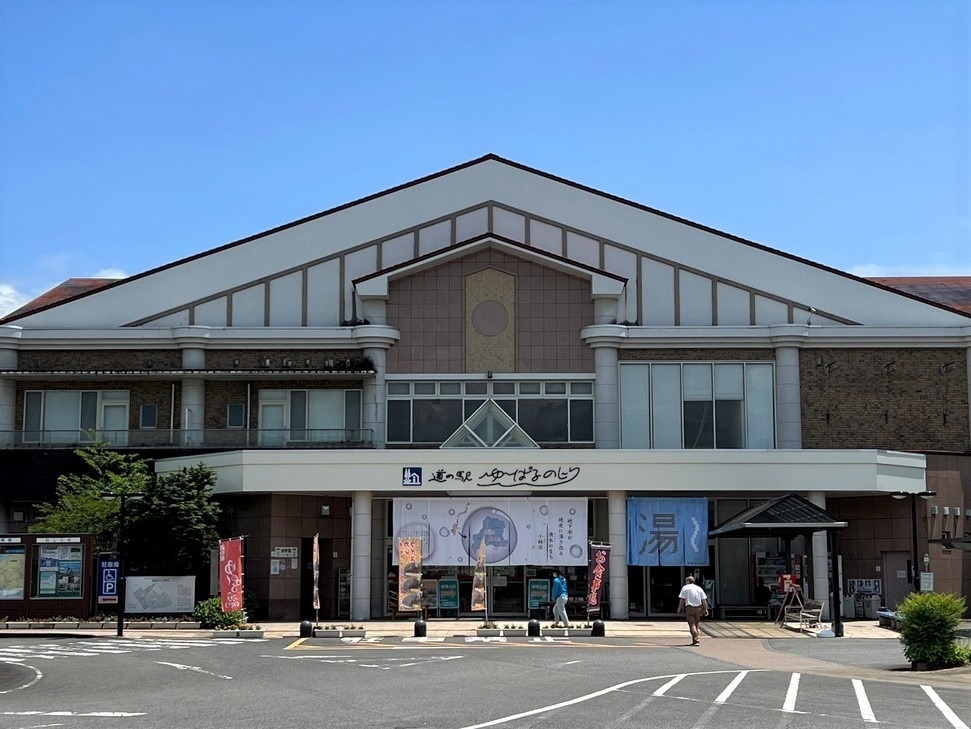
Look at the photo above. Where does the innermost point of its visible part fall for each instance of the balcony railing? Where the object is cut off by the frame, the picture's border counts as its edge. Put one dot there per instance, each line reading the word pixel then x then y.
pixel 225 438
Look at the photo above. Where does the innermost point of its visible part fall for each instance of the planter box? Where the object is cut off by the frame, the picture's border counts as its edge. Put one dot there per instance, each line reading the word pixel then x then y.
pixel 340 633
pixel 249 633
pixel 165 626
pixel 188 626
pixel 67 625
pixel 40 626
pixel 514 632
pixel 18 626
pixel 488 632
pixel 91 625
pixel 554 632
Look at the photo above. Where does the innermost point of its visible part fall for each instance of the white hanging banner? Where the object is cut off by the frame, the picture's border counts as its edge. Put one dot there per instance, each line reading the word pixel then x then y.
pixel 516 531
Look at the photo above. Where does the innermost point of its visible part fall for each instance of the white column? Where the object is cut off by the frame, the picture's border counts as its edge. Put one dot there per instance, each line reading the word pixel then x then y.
pixel 820 548
pixel 788 407
pixel 8 396
pixel 606 427
pixel 193 404
pixel 617 531
pixel 374 396
pixel 361 556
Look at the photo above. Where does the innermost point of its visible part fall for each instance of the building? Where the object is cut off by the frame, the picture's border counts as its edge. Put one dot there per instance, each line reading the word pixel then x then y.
pixel 495 341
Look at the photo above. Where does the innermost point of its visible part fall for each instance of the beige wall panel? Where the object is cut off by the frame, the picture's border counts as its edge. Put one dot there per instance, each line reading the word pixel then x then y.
pixel 324 294
pixel 249 307
pixel 397 250
pixel 582 249
pixel 286 301
pixel 435 237
pixel 694 298
pixel 769 311
pixel 357 264
pixel 734 307
pixel 657 283
pixel 471 225
pixel 212 313
pixel 490 332
pixel 546 237
pixel 509 225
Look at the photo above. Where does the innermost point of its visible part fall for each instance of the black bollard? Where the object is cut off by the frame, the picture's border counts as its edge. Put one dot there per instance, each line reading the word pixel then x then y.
pixel 598 629
pixel 421 628
pixel 306 629
pixel 532 629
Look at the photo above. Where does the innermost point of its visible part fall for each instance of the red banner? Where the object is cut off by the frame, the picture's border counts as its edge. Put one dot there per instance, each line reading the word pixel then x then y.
pixel 316 572
pixel 231 574
pixel 597 571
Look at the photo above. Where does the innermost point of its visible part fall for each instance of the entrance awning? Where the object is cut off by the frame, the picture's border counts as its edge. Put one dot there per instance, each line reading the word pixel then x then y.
pixel 786 516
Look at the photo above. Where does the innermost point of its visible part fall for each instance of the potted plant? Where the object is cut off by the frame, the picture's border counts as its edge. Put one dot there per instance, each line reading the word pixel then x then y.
pixel 339 631
pixel 249 630
pixel 66 623
pixel 514 631
pixel 488 629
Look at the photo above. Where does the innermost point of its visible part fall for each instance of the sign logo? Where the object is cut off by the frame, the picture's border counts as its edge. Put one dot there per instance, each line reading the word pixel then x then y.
pixel 411 476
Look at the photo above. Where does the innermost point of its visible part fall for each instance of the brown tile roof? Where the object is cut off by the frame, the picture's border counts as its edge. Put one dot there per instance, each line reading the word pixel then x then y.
pixel 62 292
pixel 951 291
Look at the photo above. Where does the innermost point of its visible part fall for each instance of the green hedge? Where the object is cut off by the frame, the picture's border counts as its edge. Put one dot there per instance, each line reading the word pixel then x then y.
pixel 929 623
pixel 210 614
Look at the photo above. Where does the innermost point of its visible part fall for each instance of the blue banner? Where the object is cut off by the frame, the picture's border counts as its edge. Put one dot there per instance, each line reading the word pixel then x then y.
pixel 667 532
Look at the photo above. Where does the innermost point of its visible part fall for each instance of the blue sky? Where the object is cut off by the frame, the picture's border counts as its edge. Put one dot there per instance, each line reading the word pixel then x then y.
pixel 135 134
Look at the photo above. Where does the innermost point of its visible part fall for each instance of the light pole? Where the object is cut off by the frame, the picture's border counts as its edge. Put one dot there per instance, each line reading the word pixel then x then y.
pixel 914 565
pixel 122 513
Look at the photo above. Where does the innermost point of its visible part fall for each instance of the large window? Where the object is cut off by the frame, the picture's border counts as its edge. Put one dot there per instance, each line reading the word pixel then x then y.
pixel 76 416
pixel 697 405
pixel 549 412
pixel 311 416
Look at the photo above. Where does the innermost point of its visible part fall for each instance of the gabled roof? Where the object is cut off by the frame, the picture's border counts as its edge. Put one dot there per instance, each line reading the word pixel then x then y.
pixel 70 289
pixel 951 291
pixel 790 514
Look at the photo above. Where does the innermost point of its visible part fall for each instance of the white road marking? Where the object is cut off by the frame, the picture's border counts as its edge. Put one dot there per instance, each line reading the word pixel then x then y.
pixel 595 694
pixel 663 690
pixel 37 677
pixel 791 694
pixel 866 711
pixel 104 714
pixel 944 708
pixel 730 688
pixel 182 667
pixel 568 663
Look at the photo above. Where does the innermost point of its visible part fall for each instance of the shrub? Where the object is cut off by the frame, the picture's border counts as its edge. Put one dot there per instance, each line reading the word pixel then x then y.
pixel 210 614
pixel 929 623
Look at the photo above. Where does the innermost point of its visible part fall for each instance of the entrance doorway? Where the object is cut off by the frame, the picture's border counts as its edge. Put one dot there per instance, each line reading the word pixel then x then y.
pixel 664 586
pixel 896 578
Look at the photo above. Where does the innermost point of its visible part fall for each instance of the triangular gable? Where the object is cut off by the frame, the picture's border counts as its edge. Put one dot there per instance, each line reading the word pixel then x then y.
pixel 680 273
pixel 790 514
pixel 489 427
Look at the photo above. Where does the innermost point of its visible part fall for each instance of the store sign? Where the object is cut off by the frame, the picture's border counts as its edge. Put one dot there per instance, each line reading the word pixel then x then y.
pixel 515 531
pixel 448 594
pixel 667 532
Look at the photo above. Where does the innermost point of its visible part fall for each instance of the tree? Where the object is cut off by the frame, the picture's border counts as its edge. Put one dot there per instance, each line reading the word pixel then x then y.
pixel 175 526
pixel 170 530
pixel 83 503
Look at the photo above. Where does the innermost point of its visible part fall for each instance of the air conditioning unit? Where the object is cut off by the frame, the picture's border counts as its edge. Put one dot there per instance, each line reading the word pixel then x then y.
pixel 947 511
pixel 934 510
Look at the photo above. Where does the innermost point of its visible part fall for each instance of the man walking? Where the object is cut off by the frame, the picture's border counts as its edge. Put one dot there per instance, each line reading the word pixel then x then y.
pixel 694 602
pixel 559 595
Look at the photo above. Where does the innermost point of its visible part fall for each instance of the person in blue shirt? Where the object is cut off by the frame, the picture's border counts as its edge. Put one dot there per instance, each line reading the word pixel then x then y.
pixel 559 596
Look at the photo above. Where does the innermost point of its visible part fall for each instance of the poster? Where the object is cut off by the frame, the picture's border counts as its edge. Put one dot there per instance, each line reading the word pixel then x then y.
pixel 59 570
pixel 13 565
pixel 409 574
pixel 539 592
pixel 153 595
pixel 429 594
pixel 448 593
pixel 515 531
pixel 667 532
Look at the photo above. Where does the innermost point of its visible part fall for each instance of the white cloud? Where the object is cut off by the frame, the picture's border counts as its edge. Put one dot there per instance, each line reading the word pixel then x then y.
pixel 11 299
pixel 875 270
pixel 109 273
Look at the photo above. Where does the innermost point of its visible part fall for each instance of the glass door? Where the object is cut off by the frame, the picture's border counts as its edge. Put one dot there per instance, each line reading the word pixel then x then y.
pixel 507 591
pixel 664 586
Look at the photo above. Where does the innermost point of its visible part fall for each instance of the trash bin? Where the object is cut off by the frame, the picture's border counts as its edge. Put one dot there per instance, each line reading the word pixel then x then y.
pixel 871 604
pixel 849 606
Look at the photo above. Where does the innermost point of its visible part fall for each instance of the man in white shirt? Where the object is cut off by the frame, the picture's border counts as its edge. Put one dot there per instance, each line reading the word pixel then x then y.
pixel 693 602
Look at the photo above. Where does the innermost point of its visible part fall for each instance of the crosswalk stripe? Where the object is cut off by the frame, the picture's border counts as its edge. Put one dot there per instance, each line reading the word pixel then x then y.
pixel 866 711
pixel 944 708
pixel 663 690
pixel 791 694
pixel 730 688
